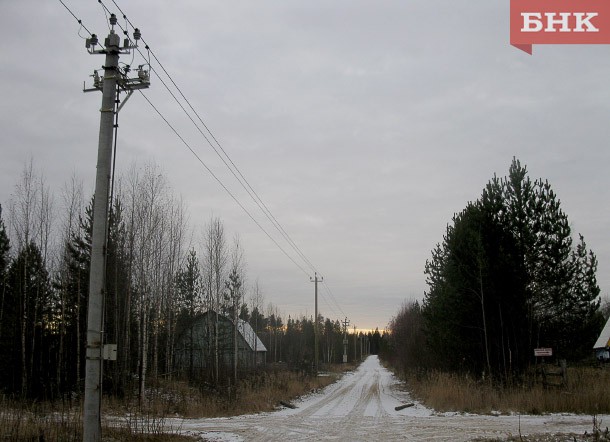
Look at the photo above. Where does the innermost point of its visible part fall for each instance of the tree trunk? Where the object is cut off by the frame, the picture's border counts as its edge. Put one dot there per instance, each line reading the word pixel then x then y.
pixel 143 355
pixel 484 320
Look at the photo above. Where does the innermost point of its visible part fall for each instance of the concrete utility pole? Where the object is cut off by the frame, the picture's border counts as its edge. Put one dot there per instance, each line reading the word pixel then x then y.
pixel 345 325
pixel 315 324
pixel 355 344
pixel 113 80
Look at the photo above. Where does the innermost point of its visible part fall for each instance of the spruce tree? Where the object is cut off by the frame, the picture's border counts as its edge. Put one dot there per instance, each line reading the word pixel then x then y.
pixel 189 292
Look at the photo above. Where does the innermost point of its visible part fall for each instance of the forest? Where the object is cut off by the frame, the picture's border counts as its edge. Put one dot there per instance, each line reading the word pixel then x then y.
pixel 158 280
pixel 507 277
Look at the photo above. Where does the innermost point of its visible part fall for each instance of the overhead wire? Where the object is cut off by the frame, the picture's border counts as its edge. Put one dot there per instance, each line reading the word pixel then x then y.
pixel 330 307
pixel 235 171
pixel 332 297
pixel 106 14
pixel 78 20
pixel 220 182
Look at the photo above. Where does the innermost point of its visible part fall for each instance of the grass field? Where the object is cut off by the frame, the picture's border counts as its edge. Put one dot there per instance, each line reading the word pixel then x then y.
pixel 586 391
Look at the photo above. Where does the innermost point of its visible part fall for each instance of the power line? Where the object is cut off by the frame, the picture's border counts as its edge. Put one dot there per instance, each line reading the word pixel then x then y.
pixel 330 307
pixel 221 183
pixel 332 297
pixel 228 162
pixel 78 20
pixel 238 175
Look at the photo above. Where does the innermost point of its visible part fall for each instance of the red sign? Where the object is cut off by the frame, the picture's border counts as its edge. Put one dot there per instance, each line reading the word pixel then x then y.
pixel 559 22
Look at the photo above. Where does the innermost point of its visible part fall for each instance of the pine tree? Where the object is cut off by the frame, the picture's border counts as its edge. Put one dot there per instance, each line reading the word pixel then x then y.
pixel 506 279
pixel 532 213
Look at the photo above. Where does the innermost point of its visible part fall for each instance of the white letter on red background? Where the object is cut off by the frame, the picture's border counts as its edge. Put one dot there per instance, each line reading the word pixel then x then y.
pixel 563 21
pixel 584 18
pixel 529 19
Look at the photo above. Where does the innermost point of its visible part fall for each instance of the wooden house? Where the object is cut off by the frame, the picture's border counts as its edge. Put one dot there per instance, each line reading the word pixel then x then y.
pixel 196 346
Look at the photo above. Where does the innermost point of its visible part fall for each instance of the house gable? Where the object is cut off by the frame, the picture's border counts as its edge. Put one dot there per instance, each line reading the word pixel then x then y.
pixel 604 338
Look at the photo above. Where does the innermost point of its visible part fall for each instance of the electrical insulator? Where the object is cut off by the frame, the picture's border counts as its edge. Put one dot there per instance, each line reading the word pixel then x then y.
pixel 112 19
pixel 143 74
pixel 93 40
pixel 137 34
pixel 97 82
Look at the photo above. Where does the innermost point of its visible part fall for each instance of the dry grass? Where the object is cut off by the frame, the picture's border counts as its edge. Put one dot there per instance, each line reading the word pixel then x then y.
pixel 260 392
pixel 39 421
pixel 20 421
pixel 586 392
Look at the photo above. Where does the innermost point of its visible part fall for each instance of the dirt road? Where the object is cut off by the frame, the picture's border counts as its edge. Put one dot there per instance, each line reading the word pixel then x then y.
pixel 361 407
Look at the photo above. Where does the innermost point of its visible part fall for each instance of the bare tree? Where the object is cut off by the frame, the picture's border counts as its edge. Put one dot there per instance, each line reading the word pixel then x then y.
pixel 214 268
pixel 156 231
pixel 234 285
pixel 176 232
pixel 31 218
pixel 45 220
pixel 23 208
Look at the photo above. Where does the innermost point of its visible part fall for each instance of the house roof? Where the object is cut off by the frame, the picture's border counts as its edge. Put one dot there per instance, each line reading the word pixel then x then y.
pixel 604 338
pixel 250 336
pixel 245 330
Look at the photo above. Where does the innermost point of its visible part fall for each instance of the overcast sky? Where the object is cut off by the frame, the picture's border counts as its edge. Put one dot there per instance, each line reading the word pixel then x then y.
pixel 363 125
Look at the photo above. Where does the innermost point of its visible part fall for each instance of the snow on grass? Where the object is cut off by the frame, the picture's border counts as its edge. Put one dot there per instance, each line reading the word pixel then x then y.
pixel 361 406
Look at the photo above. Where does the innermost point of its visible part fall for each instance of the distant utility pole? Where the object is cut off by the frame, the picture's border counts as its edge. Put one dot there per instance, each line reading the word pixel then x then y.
pixel 355 344
pixel 315 324
pixel 345 325
pixel 113 82
pixel 362 338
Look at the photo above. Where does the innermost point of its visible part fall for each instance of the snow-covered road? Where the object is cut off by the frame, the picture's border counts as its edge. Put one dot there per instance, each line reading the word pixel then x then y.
pixel 361 407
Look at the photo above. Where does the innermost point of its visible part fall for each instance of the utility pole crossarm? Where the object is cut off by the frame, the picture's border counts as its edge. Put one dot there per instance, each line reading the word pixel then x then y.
pixel 112 42
pixel 111 85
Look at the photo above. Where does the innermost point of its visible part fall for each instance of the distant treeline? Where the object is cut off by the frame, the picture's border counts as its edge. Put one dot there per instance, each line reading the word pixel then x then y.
pixel 157 281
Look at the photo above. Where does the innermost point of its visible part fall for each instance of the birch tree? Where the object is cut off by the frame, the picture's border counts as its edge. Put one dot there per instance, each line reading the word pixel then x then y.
pixel 155 232
pixel 234 294
pixel 31 226
pixel 214 271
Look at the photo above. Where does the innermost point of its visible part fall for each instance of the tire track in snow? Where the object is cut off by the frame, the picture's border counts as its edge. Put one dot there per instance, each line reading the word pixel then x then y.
pixel 360 407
